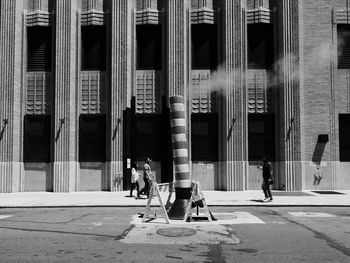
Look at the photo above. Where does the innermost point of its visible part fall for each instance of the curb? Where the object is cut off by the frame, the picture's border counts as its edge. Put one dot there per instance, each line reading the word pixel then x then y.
pixel 144 206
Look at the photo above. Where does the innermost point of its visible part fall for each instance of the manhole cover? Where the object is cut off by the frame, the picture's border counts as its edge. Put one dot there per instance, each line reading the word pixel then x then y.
pixel 176 232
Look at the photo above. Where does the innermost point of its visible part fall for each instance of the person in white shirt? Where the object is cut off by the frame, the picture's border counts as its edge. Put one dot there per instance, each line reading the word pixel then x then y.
pixel 134 180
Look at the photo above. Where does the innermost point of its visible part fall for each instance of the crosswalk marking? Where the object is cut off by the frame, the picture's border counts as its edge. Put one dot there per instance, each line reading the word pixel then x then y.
pixel 310 214
pixel 5 216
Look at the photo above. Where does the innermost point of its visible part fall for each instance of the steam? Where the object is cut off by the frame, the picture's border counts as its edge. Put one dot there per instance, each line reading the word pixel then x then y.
pixel 286 68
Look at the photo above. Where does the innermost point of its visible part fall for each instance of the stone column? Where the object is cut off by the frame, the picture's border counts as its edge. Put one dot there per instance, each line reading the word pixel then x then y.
pixel 233 117
pixel 66 86
pixel 289 95
pixel 11 83
pixel 178 47
pixel 120 81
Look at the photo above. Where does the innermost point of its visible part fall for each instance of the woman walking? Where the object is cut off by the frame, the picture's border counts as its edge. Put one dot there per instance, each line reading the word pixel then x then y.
pixel 134 182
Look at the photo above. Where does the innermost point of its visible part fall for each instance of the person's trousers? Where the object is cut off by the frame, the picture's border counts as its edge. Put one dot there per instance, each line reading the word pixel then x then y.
pixel 267 189
pixel 133 185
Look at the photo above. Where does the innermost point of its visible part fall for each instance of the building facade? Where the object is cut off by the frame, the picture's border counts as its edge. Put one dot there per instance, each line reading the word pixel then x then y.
pixel 85 88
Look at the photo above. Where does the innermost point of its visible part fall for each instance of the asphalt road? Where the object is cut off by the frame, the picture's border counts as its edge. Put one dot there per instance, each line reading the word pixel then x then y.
pixel 245 234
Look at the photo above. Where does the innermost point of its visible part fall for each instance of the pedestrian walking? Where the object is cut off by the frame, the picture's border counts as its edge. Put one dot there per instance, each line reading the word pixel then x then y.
pixel 317 175
pixel 147 177
pixel 267 178
pixel 134 180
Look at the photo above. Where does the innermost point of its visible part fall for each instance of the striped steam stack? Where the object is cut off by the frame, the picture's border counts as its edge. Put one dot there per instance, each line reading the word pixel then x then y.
pixel 180 157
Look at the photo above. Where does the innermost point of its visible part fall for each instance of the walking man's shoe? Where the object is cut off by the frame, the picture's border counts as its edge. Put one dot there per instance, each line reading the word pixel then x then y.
pixel 266 199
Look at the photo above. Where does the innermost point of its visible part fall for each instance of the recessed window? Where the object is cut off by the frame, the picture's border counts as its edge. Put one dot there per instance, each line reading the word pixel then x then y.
pixel 343 46
pixel 93 48
pixel 260 46
pixel 92 138
pixel 39 49
pixel 204 47
pixel 149 47
pixel 204 137
pixel 37 138
pixel 261 136
pixel 344 138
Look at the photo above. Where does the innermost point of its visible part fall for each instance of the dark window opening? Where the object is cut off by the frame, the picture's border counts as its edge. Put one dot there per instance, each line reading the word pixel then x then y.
pixel 344 138
pixel 92 138
pixel 261 136
pixel 204 137
pixel 39 49
pixel 204 47
pixel 343 46
pixel 149 47
pixel 148 136
pixel 37 130
pixel 93 48
pixel 260 46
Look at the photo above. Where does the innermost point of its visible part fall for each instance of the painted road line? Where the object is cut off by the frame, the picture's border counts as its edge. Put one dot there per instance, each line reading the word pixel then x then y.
pixel 310 214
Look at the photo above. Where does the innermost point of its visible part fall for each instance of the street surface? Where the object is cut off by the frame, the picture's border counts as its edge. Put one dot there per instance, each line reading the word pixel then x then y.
pixel 244 234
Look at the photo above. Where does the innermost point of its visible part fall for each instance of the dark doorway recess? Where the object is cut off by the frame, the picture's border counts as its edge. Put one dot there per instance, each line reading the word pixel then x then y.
pixel 344 138
pixel 204 137
pixel 261 136
pixel 37 134
pixel 92 138
pixel 147 135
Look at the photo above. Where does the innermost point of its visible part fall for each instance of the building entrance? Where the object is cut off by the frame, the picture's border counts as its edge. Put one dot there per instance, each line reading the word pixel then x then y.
pixel 147 135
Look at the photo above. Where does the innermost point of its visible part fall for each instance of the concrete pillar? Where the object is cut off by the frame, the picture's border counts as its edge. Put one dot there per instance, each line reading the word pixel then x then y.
pixel 66 87
pixel 233 109
pixel 121 79
pixel 11 83
pixel 289 95
pixel 178 47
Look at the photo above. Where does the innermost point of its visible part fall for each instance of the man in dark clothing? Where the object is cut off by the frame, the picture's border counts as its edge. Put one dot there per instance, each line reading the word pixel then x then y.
pixel 267 178
pixel 147 177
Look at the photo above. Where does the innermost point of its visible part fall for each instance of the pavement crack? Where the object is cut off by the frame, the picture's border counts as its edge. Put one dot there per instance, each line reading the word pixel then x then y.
pixel 125 233
pixel 46 222
pixel 330 241
pixel 57 232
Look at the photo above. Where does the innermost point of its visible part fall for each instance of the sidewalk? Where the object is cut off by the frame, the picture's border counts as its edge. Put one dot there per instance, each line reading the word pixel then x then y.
pixel 213 198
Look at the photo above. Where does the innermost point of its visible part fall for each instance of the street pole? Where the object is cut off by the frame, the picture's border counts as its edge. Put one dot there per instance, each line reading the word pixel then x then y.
pixel 180 158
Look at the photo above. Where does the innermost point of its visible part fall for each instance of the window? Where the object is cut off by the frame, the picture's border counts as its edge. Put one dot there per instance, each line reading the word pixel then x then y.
pixel 204 48
pixel 261 136
pixel 93 48
pixel 343 46
pixel 344 138
pixel 149 47
pixel 37 138
pixel 260 46
pixel 39 49
pixel 92 138
pixel 204 136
